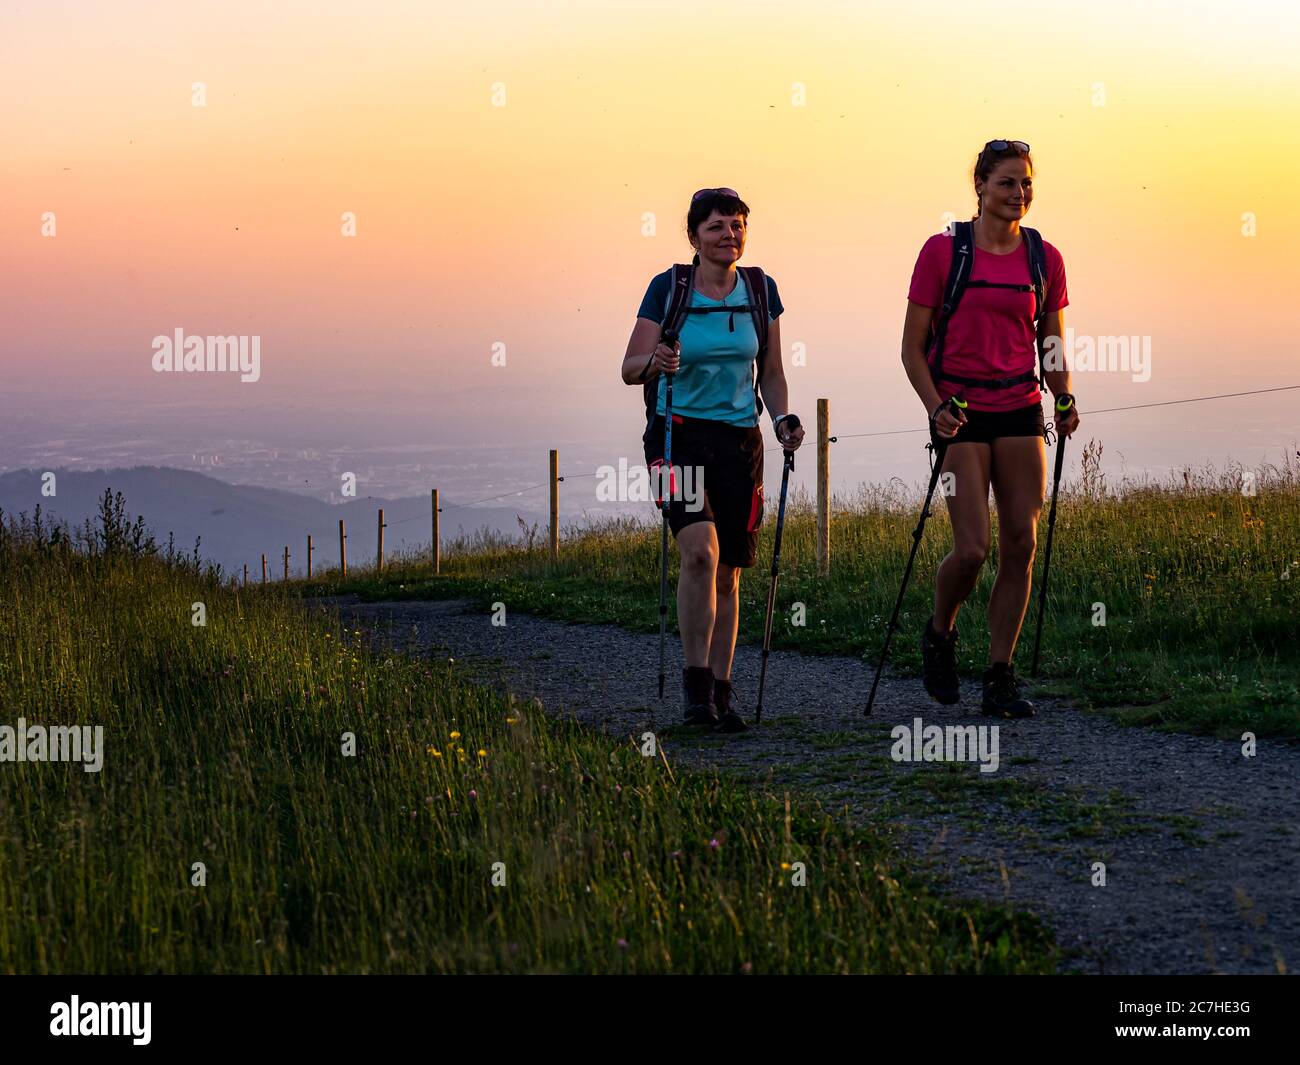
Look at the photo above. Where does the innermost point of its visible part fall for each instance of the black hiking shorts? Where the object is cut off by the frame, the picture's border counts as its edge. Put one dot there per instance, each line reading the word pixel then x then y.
pixel 985 426
pixel 721 480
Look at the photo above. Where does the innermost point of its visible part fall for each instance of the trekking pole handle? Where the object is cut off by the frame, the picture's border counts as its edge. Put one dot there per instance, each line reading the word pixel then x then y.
pixel 1061 408
pixel 793 423
pixel 955 405
pixel 669 338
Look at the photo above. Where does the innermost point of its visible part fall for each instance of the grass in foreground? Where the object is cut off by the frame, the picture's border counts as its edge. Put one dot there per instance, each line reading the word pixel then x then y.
pixel 1199 584
pixel 223 746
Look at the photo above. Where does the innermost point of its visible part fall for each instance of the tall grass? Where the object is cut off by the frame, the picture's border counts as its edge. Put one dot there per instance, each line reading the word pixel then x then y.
pixel 224 745
pixel 1197 578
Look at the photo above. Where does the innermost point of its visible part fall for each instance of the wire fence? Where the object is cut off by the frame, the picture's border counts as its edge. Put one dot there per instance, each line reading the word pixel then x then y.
pixel 824 439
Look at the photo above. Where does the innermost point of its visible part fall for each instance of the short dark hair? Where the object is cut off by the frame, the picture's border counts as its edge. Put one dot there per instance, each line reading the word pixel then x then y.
pixel 702 208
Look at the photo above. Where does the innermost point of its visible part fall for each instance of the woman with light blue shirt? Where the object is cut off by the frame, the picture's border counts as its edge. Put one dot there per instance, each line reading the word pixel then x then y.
pixel 720 363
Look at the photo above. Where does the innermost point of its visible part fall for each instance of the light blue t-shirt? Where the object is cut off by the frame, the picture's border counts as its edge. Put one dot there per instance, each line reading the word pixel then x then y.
pixel 716 376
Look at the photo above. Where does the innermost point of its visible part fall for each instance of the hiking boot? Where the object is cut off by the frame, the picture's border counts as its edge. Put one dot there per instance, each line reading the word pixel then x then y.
pixel 939 665
pixel 728 719
pixel 1002 693
pixel 697 691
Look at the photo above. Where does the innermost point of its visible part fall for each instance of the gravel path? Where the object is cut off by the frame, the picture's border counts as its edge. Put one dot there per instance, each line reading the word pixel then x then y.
pixel 1199 843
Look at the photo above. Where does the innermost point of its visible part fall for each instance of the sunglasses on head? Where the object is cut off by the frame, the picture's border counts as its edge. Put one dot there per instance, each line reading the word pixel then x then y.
pixel 1002 146
pixel 709 192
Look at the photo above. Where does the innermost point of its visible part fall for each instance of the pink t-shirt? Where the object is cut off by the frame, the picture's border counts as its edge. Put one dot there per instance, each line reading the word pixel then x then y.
pixel 992 333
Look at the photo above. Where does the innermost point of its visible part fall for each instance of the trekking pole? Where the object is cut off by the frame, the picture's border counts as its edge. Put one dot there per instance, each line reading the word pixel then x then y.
pixel 940 448
pixel 776 564
pixel 1068 401
pixel 670 338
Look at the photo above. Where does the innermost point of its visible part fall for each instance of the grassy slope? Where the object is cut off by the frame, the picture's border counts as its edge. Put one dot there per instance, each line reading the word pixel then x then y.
pixel 223 747
pixel 1200 585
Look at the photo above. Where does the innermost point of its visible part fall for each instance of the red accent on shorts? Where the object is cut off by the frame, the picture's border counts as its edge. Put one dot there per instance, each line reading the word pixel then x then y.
pixel 755 509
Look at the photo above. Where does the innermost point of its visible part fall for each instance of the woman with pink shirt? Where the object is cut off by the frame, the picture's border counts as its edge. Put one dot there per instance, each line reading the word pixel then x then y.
pixel 984 352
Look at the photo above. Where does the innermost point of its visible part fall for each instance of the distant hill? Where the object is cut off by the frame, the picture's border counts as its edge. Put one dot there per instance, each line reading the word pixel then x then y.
pixel 238 523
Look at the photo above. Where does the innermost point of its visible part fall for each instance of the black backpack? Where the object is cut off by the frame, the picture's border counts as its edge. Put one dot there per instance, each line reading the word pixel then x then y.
pixel 683 284
pixel 963 257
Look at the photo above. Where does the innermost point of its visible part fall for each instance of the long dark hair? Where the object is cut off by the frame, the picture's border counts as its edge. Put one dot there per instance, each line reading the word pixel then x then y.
pixel 987 162
pixel 706 205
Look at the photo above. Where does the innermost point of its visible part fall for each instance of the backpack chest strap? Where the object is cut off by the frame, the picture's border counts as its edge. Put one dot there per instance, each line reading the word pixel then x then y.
pixel 999 284
pixel 729 309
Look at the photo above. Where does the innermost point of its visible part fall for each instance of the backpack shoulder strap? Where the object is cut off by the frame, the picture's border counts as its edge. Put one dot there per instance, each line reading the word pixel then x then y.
pixel 756 283
pixel 963 257
pixel 1037 268
pixel 1038 278
pixel 681 282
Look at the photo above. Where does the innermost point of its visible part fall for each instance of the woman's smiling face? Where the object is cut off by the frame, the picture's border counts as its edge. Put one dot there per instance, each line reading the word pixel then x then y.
pixel 721 238
pixel 1009 190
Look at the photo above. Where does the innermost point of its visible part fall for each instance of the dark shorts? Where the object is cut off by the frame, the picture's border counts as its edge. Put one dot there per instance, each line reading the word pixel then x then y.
pixel 727 464
pixel 985 426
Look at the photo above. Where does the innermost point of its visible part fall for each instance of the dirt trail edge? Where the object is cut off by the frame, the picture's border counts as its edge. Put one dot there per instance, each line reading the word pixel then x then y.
pixel 1199 843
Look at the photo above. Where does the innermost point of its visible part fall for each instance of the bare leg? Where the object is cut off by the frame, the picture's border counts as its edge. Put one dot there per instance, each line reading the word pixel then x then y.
pixel 968 510
pixel 696 595
pixel 1019 478
pixel 726 622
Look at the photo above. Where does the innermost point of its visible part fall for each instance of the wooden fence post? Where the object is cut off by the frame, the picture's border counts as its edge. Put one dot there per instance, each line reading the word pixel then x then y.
pixel 823 487
pixel 286 562
pixel 555 506
pixel 263 567
pixel 437 540
pixel 309 556
pixel 245 574
pixel 343 550
pixel 380 557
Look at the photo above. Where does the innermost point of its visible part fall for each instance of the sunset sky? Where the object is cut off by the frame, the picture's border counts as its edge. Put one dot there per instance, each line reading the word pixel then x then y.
pixel 522 224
